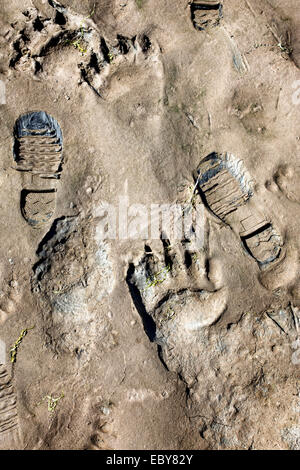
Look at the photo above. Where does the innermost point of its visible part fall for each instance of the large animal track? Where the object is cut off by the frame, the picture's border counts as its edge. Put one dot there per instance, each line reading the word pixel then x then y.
pixel 214 361
pixel 226 190
pixel 71 277
pixel 38 153
pixel 106 62
pixel 93 56
pixel 177 293
pixel 206 14
pixel 37 36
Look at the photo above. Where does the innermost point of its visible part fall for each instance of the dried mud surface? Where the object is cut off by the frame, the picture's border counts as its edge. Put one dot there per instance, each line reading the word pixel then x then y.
pixel 206 354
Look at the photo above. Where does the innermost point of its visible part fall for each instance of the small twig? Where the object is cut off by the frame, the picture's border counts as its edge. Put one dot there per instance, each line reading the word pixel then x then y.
pixel 192 120
pixel 14 349
pixel 295 317
pixel 92 12
pixel 277 324
pixel 195 187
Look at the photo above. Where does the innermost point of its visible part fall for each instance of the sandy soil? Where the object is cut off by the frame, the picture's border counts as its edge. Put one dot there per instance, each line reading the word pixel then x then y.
pixel 149 343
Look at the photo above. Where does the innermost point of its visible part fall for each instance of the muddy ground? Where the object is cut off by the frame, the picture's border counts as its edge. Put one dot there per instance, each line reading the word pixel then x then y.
pixel 149 342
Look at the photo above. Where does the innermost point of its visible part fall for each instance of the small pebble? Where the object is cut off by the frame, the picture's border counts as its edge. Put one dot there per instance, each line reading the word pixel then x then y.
pixel 105 410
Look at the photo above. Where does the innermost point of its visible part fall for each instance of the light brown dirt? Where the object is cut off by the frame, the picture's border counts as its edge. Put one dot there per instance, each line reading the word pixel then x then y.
pixel 142 97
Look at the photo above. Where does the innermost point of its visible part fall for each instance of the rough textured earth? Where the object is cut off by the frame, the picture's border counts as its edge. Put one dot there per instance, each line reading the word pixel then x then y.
pixel 150 343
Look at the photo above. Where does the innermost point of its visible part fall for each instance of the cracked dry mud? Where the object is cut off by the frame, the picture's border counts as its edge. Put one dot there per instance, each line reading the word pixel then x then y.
pixel 149 342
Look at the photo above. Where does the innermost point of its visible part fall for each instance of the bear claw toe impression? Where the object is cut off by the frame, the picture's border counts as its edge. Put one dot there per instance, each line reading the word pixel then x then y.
pixel 38 154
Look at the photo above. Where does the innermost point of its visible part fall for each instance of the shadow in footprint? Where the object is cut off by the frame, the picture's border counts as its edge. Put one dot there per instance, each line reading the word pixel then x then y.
pixel 148 322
